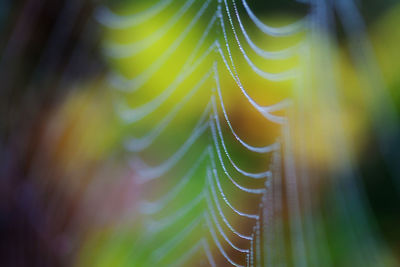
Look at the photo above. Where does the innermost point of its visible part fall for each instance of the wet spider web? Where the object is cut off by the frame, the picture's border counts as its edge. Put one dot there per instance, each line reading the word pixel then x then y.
pixel 223 209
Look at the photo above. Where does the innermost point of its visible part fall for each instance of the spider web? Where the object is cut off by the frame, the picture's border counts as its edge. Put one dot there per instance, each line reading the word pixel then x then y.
pixel 234 215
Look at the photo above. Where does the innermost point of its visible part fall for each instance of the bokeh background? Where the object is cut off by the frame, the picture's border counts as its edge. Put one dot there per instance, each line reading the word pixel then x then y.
pixel 70 185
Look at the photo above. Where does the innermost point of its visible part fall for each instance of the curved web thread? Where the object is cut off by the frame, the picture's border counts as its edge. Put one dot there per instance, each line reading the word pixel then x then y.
pixel 282 76
pixel 220 51
pixel 113 20
pixel 116 50
pixel 121 83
